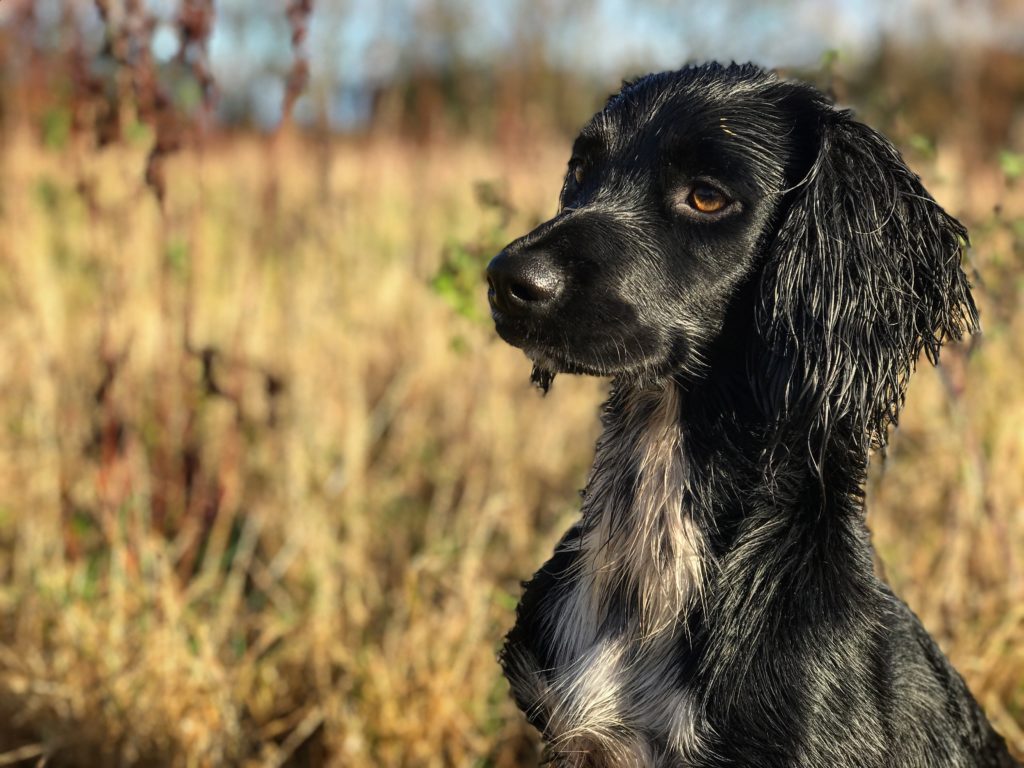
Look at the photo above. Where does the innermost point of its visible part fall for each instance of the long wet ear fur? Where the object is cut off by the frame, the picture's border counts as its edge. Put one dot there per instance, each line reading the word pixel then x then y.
pixel 863 274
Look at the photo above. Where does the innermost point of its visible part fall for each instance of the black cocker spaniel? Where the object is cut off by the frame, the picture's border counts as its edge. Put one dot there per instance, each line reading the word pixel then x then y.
pixel 759 273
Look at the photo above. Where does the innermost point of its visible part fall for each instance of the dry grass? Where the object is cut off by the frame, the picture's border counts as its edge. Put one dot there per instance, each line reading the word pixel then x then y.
pixel 267 497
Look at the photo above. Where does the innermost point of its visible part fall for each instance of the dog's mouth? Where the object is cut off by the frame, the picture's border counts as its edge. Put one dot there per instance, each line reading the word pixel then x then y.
pixel 605 356
pixel 535 339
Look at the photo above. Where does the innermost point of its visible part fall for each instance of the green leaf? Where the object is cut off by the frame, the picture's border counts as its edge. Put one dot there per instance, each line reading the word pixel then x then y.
pixel 177 257
pixel 923 145
pixel 56 128
pixel 1012 164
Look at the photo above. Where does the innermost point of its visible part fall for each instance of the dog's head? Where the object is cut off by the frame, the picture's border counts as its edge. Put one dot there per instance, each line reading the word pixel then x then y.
pixel 669 198
pixel 690 185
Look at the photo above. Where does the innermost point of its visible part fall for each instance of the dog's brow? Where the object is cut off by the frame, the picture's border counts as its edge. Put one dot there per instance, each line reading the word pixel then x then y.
pixel 588 144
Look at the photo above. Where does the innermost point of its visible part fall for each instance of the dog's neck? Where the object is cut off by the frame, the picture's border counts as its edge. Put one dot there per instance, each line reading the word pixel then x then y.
pixel 599 630
pixel 677 574
pixel 638 542
pixel 684 467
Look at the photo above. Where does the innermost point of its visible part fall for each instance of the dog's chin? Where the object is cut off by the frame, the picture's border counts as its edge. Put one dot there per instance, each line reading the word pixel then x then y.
pixel 546 364
pixel 558 361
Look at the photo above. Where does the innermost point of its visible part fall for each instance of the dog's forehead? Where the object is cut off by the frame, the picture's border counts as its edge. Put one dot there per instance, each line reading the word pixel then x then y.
pixel 726 122
pixel 696 102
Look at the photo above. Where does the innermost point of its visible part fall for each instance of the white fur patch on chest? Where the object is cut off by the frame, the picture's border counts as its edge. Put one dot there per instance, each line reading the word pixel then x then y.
pixel 613 695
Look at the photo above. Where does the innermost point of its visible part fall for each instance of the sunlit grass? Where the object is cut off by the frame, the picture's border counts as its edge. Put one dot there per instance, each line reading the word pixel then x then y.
pixel 269 487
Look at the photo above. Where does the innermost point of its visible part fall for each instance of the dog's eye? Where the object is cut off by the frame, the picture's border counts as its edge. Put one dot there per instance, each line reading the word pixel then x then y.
pixel 706 199
pixel 577 173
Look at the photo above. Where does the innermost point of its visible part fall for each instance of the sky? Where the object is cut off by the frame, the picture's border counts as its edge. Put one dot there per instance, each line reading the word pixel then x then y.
pixel 355 44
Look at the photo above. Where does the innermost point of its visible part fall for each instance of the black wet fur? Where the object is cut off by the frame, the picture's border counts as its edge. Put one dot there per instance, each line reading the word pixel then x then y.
pixel 788 323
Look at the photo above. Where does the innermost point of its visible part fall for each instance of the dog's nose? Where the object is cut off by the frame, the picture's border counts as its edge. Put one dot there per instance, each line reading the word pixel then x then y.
pixel 524 282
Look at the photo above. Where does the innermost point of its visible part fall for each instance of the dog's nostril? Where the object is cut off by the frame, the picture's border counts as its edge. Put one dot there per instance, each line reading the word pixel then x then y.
pixel 523 282
pixel 527 292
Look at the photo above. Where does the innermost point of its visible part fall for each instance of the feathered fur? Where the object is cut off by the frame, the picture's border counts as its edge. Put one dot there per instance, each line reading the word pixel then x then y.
pixel 759 273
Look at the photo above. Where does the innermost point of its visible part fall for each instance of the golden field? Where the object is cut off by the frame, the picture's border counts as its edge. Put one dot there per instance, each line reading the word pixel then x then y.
pixel 268 480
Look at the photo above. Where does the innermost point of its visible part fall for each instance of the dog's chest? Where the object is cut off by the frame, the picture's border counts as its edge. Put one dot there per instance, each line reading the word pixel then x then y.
pixel 609 626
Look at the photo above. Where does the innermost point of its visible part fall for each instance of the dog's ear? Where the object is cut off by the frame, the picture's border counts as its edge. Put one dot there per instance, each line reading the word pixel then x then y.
pixel 863 273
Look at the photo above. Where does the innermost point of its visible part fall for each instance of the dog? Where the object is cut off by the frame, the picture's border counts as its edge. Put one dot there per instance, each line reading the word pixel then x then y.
pixel 758 272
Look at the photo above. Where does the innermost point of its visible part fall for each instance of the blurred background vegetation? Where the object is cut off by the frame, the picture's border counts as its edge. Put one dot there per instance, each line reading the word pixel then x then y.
pixel 268 481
